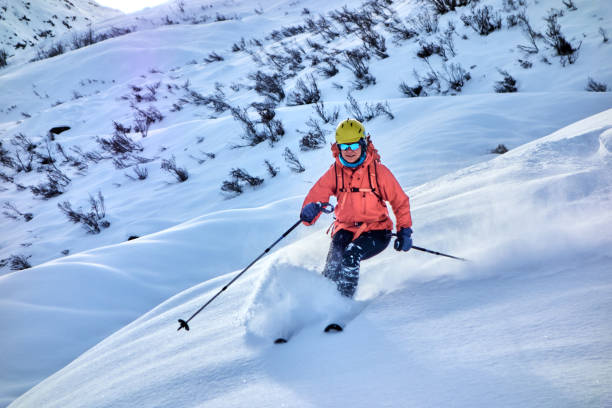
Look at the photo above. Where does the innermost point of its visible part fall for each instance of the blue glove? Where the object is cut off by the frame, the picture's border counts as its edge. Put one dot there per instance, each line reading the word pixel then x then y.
pixel 310 212
pixel 404 240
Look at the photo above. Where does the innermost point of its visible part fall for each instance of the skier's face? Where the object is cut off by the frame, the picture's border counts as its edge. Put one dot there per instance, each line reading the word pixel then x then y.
pixel 351 156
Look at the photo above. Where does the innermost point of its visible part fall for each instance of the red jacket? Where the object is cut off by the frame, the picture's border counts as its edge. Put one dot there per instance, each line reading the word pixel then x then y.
pixel 361 206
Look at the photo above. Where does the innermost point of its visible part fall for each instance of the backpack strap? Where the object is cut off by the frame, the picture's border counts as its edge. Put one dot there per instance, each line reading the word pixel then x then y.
pixel 373 176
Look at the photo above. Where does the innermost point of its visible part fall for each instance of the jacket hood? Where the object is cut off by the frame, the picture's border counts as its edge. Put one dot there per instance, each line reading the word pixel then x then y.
pixel 371 154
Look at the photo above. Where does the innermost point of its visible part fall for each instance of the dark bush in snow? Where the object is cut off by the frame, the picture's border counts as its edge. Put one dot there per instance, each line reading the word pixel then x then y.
pixel 27 149
pixel 293 162
pixel 93 220
pixel 143 119
pixel 429 49
pixel 424 22
pixel 312 139
pixel 570 5
pixel 273 171
pixel 483 20
pixel 398 30
pixel 269 86
pixel 13 213
pixel 141 173
pixel 119 143
pixel 371 111
pixel 456 76
pixel 17 262
pixel 374 42
pixel 556 40
pixel 273 128
pixel 3 58
pixel 55 185
pixel 507 85
pixel 327 68
pixel 216 102
pixel 355 60
pixel 319 108
pixel 532 35
pixel 240 178
pixel 170 166
pixel 305 93
pixel 500 149
pixel 604 35
pixel 242 175
pixel 594 86
pixel 5 158
pixel 323 27
pixel 411 91
pixel 213 57
pixel 444 6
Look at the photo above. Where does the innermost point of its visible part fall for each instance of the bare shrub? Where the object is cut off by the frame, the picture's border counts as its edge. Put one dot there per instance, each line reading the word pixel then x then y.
pixel 141 173
pixel 483 20
pixel 594 86
pixel 327 68
pixel 399 31
pixel 273 171
pixel 500 149
pixel 17 262
pixel 305 93
pixel 293 162
pixel 26 148
pixel 143 119
pixel 56 185
pixel 216 102
pixel 242 175
pixel 119 143
pixel 323 27
pixel 532 35
pixel 319 108
pixel 269 86
pixel 557 41
pixel 445 6
pixel 423 23
pixel 604 35
pixel 93 220
pixel 170 166
pixel 506 85
pixel 411 91
pixel 313 138
pixel 12 212
pixel 213 57
pixel 5 158
pixel 355 60
pixel 456 76
pixel 3 58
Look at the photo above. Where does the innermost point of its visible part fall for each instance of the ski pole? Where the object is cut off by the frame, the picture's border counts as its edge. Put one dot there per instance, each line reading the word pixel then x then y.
pixel 430 251
pixel 184 324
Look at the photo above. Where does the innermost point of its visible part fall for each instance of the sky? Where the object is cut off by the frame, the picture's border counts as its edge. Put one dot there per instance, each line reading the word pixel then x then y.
pixel 130 6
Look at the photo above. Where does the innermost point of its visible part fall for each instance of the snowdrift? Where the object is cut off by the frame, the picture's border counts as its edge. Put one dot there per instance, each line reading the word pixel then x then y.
pixel 524 324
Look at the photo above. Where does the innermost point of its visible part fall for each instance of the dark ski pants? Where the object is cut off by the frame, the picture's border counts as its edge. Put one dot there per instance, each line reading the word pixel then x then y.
pixel 345 255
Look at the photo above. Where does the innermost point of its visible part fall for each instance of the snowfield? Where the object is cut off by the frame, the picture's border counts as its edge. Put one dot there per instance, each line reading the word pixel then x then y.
pixel 524 323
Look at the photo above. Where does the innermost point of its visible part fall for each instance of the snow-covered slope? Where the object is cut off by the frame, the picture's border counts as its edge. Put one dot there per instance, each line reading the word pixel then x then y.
pixel 26 26
pixel 529 217
pixel 523 324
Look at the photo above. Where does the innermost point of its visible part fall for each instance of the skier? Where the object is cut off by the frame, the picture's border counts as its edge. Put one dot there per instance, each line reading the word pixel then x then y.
pixel 362 227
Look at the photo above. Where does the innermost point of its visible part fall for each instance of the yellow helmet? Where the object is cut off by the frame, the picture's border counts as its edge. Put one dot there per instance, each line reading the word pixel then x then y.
pixel 349 131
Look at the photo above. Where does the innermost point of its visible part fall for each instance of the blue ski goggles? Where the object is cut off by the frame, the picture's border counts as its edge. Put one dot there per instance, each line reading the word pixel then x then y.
pixel 352 146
